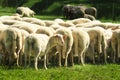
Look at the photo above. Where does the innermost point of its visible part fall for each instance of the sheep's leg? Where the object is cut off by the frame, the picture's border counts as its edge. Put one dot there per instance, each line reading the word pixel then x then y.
pixel 72 58
pixel 82 58
pixel 66 57
pixel 29 61
pixel 45 62
pixel 25 62
pixel 105 55
pixel 36 62
pixel 93 52
pixel 18 60
pixel 114 51
pixel 66 60
pixel 60 59
pixel 59 50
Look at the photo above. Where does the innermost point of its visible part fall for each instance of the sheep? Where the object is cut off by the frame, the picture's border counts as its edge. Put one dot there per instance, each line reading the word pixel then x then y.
pixel 31 28
pixel 79 21
pixel 68 40
pixel 25 11
pixel 54 40
pixel 58 20
pixel 33 21
pixel 97 42
pixel 89 17
pixel 45 30
pixel 80 44
pixel 9 22
pixel 18 18
pixel 115 41
pixel 24 35
pixel 55 26
pixel 66 24
pixel 49 22
pixel 35 45
pixel 12 44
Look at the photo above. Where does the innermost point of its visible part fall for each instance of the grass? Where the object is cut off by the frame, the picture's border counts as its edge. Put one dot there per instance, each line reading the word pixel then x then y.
pixel 78 72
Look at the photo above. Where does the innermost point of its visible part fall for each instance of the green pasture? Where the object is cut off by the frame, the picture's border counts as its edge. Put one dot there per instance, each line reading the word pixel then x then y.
pixel 78 72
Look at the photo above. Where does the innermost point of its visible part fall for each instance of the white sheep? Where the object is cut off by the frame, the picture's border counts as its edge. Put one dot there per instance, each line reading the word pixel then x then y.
pixel 25 11
pixel 115 43
pixel 80 45
pixel 33 21
pixel 35 45
pixel 12 44
pixel 55 40
pixel 45 30
pixel 97 42
pixel 68 42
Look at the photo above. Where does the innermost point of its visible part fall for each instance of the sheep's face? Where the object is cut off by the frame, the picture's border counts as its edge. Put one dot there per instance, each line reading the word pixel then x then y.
pixel 58 39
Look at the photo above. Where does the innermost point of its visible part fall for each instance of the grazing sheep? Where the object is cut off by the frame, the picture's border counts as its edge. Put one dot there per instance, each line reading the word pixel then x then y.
pixel 55 40
pixel 45 30
pixel 33 21
pixel 25 11
pixel 80 44
pixel 49 22
pixel 89 17
pixel 18 18
pixel 12 44
pixel 97 42
pixel 66 49
pixel 91 11
pixel 31 28
pixel 115 43
pixel 35 45
pixel 79 21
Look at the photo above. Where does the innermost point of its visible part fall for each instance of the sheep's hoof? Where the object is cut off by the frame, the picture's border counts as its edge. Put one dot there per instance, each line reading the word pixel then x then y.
pixel 46 68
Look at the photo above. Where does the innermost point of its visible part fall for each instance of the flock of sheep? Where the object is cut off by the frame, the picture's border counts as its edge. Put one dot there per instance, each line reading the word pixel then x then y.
pixel 22 38
pixel 79 11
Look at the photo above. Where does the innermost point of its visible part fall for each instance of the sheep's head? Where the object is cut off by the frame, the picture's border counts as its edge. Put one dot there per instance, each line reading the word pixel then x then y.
pixel 58 39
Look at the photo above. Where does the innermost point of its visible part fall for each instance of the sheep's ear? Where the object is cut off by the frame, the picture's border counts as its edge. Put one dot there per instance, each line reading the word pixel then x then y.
pixel 64 37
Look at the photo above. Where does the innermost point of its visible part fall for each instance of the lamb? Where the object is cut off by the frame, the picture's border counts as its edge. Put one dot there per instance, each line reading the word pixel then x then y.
pixel 12 44
pixel 80 44
pixel 35 45
pixel 25 12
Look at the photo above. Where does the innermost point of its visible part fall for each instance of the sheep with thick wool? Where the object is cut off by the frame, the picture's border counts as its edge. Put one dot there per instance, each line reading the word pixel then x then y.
pixel 55 40
pixel 97 43
pixel 115 43
pixel 80 45
pixel 35 45
pixel 25 12
pixel 45 30
pixel 68 42
pixel 12 44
